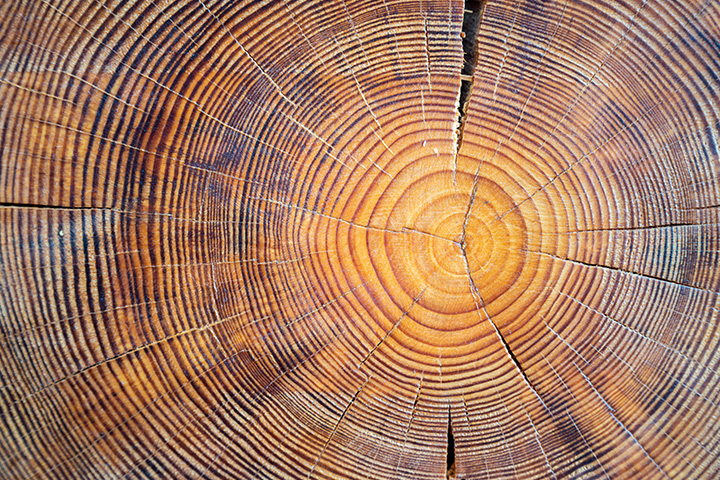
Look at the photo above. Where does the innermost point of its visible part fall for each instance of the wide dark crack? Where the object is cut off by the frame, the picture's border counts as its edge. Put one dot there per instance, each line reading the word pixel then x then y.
pixel 450 449
pixel 471 26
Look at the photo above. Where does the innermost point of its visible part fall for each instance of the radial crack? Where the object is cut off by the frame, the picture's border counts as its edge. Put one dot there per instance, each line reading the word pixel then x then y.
pixel 390 332
pixel 480 306
pixel 52 207
pixel 337 425
pixel 471 26
pixel 450 448
pixel 612 411
pixel 627 272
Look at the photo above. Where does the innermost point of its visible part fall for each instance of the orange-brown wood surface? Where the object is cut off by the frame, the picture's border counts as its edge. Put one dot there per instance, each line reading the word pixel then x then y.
pixel 387 239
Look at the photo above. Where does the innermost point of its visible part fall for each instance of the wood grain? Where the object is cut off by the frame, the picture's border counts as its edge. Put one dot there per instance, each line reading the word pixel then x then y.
pixel 362 240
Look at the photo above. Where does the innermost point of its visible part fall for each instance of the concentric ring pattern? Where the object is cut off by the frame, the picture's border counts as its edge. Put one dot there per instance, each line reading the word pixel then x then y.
pixel 270 239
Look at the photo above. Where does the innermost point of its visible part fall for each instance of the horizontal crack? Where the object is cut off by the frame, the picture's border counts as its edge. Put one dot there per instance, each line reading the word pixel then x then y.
pixel 51 207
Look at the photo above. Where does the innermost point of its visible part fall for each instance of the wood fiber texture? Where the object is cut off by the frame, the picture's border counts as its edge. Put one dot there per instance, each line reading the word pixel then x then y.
pixel 327 239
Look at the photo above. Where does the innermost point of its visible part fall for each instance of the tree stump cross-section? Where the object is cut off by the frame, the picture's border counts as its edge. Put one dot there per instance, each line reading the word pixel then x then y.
pixel 344 239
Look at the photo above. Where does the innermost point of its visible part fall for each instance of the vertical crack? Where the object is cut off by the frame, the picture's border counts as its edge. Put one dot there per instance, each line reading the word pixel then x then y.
pixel 472 18
pixel 450 449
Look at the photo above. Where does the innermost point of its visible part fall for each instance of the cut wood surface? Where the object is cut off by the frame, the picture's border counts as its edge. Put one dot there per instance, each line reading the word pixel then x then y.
pixel 327 239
